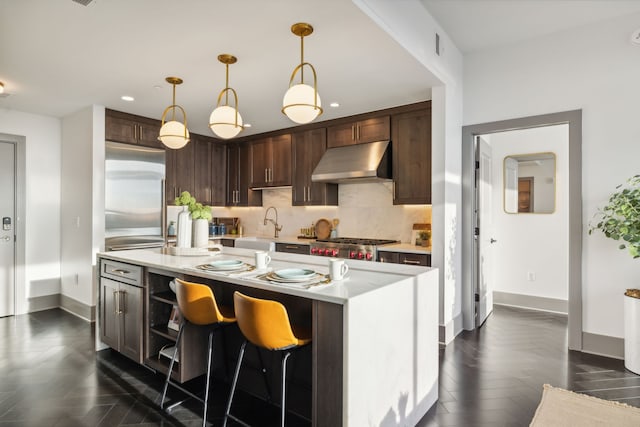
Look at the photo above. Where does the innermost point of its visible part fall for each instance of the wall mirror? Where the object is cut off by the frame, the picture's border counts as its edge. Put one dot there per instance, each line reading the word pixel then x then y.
pixel 530 183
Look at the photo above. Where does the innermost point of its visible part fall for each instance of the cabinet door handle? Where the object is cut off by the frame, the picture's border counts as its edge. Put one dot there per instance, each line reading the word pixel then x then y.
pixel 135 132
pixel 116 302
pixel 291 247
pixel 123 308
pixel 353 132
pixel 140 139
pixel 358 132
pixel 411 262
pixel 266 175
pixel 120 271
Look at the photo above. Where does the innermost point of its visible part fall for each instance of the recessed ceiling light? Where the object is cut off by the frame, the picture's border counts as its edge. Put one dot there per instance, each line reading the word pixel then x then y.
pixel 247 125
pixel 334 105
pixel 127 98
pixel 635 37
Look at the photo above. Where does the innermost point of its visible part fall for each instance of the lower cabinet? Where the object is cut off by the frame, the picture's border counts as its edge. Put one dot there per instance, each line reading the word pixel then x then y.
pixel 122 311
pixel 408 258
pixel 161 337
pixel 294 248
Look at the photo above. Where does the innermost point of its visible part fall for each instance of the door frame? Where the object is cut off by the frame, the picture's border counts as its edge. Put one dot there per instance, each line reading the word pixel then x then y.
pixel 20 285
pixel 574 234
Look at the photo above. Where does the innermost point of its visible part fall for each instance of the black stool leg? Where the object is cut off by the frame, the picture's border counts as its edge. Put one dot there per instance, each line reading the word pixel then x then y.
pixel 206 390
pixel 284 386
pixel 264 376
pixel 173 359
pixel 233 385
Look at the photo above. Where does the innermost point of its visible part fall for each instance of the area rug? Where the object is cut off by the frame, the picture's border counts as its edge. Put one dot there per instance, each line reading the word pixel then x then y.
pixel 563 408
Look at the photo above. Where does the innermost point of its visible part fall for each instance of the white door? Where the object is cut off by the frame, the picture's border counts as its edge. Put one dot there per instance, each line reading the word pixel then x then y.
pixel 7 229
pixel 484 236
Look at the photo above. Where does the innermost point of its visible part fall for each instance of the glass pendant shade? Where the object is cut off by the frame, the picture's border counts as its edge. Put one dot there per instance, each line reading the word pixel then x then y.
pixel 174 135
pixel 299 103
pixel 223 122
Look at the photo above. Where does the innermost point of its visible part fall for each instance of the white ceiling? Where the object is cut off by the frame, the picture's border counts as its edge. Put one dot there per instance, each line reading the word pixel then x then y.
pixel 476 25
pixel 57 56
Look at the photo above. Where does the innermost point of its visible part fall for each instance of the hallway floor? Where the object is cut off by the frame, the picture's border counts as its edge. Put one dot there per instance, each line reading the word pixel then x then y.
pixel 494 376
pixel 51 376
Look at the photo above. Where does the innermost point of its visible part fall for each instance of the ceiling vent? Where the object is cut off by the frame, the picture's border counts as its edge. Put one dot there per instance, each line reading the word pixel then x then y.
pixel 83 2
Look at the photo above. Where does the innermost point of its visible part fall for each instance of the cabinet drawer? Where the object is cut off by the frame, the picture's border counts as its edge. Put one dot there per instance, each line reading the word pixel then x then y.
pixel 293 248
pixel 414 259
pixel 121 272
pixel 384 256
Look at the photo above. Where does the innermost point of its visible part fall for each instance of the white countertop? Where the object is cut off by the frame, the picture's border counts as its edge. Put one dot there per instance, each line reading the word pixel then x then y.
pixel 362 278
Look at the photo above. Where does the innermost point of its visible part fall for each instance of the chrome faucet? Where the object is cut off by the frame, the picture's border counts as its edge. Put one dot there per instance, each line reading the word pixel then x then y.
pixel 277 227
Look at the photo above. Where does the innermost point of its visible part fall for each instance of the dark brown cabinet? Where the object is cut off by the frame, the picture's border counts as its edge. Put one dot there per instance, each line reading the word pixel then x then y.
pixel 238 177
pixel 131 129
pixel 408 258
pixel 411 154
pixel 161 339
pixel 179 171
pixel 121 308
pixel 210 169
pixel 360 132
pixel 271 164
pixel 308 148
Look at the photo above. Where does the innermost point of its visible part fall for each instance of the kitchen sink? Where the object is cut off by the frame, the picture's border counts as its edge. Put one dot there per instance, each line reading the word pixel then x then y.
pixel 257 243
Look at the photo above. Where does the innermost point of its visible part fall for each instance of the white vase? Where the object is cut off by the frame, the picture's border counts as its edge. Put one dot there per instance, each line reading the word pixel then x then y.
pixel 200 233
pixel 183 237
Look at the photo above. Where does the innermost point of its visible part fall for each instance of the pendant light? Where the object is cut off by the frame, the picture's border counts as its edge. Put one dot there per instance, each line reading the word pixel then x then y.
pixel 225 121
pixel 301 102
pixel 174 134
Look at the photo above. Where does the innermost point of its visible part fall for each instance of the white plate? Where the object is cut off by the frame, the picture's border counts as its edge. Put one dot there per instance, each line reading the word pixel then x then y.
pixel 226 264
pixel 294 273
pixel 274 277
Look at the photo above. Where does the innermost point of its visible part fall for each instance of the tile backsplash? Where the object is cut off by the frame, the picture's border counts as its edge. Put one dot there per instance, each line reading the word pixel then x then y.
pixel 366 210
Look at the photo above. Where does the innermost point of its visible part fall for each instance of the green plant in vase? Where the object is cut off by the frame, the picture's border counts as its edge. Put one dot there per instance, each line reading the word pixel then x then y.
pixel 619 219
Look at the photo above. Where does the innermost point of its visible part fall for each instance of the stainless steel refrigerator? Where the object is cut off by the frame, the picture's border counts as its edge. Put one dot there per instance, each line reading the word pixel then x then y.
pixel 134 196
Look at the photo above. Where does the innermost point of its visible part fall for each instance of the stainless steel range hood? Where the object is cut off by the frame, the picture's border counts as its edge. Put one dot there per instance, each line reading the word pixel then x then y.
pixel 355 163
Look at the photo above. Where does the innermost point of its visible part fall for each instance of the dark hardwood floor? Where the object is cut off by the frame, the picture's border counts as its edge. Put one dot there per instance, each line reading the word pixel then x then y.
pixel 51 376
pixel 494 376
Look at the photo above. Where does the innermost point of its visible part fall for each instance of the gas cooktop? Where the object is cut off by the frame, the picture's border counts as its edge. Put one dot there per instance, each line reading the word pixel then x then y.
pixel 349 247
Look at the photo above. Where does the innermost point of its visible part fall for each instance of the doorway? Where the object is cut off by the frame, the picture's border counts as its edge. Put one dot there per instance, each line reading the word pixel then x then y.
pixel 7 228
pixel 470 206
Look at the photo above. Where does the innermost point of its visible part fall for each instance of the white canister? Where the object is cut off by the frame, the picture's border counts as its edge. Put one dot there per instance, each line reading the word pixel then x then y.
pixel 183 236
pixel 200 233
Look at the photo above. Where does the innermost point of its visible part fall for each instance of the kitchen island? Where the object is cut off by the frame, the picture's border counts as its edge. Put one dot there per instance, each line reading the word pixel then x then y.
pixel 374 355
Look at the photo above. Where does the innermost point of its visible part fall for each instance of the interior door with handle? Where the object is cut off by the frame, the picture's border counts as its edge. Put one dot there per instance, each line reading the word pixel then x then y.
pixel 484 277
pixel 7 230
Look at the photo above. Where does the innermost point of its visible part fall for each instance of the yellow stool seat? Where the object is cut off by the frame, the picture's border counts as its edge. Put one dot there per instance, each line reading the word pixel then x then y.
pixel 197 306
pixel 265 324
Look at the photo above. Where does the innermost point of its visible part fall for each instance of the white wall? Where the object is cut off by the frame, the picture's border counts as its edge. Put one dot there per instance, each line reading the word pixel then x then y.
pixel 531 243
pixel 593 68
pixel 82 221
pixel 42 245
pixel 411 25
pixel 366 210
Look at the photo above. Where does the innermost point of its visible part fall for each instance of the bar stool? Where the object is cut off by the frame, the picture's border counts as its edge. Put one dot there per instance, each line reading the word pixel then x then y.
pixel 197 306
pixel 265 324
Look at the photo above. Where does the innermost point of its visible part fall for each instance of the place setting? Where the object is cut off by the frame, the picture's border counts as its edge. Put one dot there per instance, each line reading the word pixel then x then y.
pixel 306 278
pixel 226 267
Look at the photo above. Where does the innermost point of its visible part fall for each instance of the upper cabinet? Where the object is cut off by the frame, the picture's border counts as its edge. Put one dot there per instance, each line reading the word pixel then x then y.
pixel 271 165
pixel 308 148
pixel 411 145
pixel 210 170
pixel 179 171
pixel 360 132
pixel 131 129
pixel 238 177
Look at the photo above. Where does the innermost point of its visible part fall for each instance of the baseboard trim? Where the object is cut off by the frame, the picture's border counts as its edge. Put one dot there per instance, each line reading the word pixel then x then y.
pixel 603 345
pixel 448 332
pixel 70 305
pixel 533 302
pixel 45 302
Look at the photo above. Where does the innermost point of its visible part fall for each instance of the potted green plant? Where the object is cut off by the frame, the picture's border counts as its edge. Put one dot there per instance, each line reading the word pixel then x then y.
pixel 619 219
